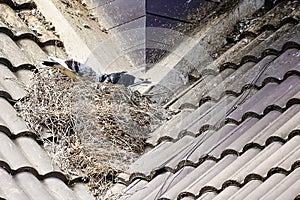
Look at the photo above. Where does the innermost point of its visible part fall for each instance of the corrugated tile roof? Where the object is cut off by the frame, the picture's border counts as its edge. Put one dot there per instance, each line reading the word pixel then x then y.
pixel 236 135
pixel 26 171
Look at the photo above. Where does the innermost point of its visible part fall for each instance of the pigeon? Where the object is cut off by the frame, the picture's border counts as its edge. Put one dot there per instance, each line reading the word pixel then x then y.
pixel 72 69
pixel 125 79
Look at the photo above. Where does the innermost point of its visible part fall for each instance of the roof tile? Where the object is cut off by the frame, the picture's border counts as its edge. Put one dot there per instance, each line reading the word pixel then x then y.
pixel 244 191
pixel 9 84
pixel 160 159
pixel 173 192
pixel 9 188
pixel 11 154
pixel 244 124
pixel 27 172
pixel 12 22
pixel 31 186
pixel 10 119
pixel 254 48
pixel 10 50
pixel 32 50
pixel 264 186
pixel 281 66
pixel 36 155
pixel 267 97
pixel 288 184
pixel 279 158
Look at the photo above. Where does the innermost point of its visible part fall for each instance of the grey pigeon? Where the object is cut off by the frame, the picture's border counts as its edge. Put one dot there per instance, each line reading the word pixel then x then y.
pixel 73 66
pixel 83 70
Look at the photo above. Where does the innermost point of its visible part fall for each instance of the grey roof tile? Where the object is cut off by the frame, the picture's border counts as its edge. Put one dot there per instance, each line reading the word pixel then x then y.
pixel 281 66
pixel 54 50
pixel 182 121
pixel 266 97
pixel 27 172
pixel 12 22
pixel 192 151
pixel 11 154
pixel 292 35
pixel 32 50
pixel 169 181
pixel 213 116
pixel 258 146
pixel 232 80
pixel 199 147
pixel 244 191
pixel 254 48
pixel 264 186
pixel 283 130
pixel 9 188
pixel 243 79
pixel 175 123
pixel 242 135
pixel 254 162
pixel 227 138
pixel 24 185
pixel 10 85
pixel 195 186
pixel 231 169
pixel 288 184
pixel 32 187
pixel 277 40
pixel 266 126
pixel 290 192
pixel 173 192
pixel 279 158
pixel 135 186
pixel 10 50
pixel 146 191
pixel 35 155
pixel 59 190
pixel 200 89
pixel 160 159
pixel 9 119
pixel 207 196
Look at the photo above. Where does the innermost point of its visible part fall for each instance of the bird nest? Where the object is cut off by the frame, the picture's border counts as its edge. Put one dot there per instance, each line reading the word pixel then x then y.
pixel 89 129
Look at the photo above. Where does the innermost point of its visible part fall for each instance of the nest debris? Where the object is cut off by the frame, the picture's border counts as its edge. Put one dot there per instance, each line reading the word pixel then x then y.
pixel 89 129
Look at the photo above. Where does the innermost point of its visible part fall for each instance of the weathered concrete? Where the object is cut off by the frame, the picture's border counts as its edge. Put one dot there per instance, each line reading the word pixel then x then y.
pixel 169 75
pixel 89 45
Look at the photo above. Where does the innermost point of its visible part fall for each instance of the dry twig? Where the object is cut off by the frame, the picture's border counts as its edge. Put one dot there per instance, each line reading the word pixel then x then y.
pixel 90 129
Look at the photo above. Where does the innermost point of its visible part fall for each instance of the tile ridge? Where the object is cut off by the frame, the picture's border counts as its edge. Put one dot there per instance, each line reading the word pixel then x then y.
pixel 247 179
pixel 269 108
pixel 245 59
pixel 267 52
pixel 248 86
pixel 32 37
pixel 33 171
pixel 269 27
pixel 203 158
pixel 226 120
pixel 12 136
pixel 7 63
pixel 4 94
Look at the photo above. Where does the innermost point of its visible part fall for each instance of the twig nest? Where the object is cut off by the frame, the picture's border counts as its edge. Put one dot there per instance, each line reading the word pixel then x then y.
pixel 89 129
